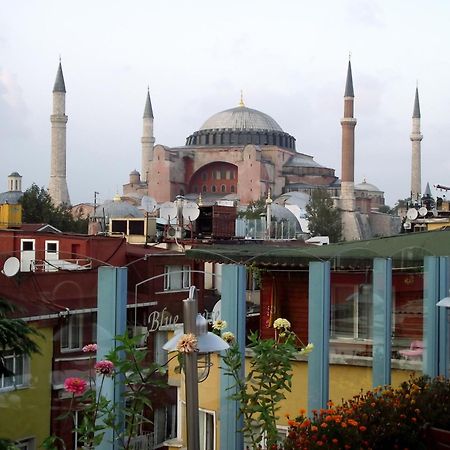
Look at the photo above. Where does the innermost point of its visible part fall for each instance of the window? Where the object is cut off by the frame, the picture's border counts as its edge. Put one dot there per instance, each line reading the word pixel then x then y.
pixel 177 278
pixel 161 355
pixel 351 311
pixel 71 333
pixel 207 430
pixel 18 365
pixel 165 423
pixel 213 188
pixel 25 444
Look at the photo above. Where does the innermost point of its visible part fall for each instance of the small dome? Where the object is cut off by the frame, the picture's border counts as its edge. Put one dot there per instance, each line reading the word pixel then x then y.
pixel 134 172
pixel 241 118
pixel 117 208
pixel 365 186
pixel 11 197
pixel 15 174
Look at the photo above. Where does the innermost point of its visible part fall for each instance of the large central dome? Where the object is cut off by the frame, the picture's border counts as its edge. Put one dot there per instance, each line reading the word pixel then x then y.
pixel 241 118
pixel 240 126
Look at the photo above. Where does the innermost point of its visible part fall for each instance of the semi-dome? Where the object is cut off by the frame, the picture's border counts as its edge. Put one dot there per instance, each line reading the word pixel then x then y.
pixel 241 118
pixel 241 126
pixel 365 186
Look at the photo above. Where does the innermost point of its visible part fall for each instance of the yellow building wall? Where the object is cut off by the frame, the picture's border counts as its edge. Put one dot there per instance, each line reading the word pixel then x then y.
pixel 345 381
pixel 10 215
pixel 25 412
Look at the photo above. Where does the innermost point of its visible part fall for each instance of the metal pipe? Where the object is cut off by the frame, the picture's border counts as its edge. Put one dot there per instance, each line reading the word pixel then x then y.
pixel 190 310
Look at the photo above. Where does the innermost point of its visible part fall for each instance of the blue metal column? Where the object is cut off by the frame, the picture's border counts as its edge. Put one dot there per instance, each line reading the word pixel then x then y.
pixel 443 335
pixel 430 315
pixel 111 322
pixel 319 334
pixel 382 321
pixel 233 310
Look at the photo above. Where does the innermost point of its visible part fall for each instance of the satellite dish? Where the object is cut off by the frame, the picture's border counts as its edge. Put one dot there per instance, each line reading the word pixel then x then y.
pixel 11 266
pixel 148 203
pixel 191 211
pixel 168 210
pixel 412 214
pixel 423 211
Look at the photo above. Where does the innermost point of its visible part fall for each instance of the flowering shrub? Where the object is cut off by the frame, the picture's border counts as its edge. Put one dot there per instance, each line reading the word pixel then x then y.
pixel 384 418
pixel 76 386
pixel 269 377
pixel 127 366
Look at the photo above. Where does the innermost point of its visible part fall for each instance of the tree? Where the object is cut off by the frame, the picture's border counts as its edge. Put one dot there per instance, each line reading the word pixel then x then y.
pixel 15 336
pixel 37 207
pixel 254 210
pixel 324 219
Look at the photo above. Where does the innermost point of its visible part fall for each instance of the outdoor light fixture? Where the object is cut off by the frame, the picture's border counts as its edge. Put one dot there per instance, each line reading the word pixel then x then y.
pixel 445 302
pixel 207 343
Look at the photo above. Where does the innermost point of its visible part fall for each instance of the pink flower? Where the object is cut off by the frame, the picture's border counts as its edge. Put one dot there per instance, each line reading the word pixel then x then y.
pixel 90 348
pixel 104 367
pixel 75 385
pixel 187 343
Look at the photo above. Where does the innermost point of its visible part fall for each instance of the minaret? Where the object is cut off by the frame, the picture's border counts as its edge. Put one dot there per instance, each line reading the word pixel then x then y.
pixel 57 187
pixel 416 139
pixel 350 225
pixel 147 140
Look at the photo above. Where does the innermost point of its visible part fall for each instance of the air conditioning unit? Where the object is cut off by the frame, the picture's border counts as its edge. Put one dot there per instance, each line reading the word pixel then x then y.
pixel 175 232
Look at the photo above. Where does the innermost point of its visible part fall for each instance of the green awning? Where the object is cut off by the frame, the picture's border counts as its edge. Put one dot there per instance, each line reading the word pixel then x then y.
pixel 404 249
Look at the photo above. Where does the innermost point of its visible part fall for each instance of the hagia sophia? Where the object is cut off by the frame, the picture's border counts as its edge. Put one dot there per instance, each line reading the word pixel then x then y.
pixel 241 155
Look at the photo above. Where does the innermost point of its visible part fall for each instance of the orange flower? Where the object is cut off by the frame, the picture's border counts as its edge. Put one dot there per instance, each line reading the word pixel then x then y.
pixel 352 422
pixel 302 411
pixel 343 425
pixel 362 428
pixel 323 425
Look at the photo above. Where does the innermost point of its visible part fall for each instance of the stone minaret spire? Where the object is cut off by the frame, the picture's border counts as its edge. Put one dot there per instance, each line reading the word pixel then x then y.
pixel 147 140
pixel 347 203
pixel 416 138
pixel 58 185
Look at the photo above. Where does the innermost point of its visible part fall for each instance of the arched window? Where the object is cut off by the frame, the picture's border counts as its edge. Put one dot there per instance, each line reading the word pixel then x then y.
pixel 232 188
pixel 204 188
pixel 223 188
pixel 213 188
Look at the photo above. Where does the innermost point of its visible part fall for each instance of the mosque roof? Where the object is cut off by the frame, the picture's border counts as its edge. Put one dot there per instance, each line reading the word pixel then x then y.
pixel 148 110
pixel 416 110
pixel 365 186
pixel 59 85
pixel 11 197
pixel 117 208
pixel 241 118
pixel 14 174
pixel 301 160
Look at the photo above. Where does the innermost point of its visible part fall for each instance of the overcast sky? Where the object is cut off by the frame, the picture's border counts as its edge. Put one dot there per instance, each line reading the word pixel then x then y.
pixel 289 58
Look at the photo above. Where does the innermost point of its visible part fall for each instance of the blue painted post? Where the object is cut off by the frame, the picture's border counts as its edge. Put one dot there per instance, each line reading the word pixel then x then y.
pixel 233 311
pixel 382 321
pixel 443 335
pixel 111 322
pixel 319 334
pixel 430 315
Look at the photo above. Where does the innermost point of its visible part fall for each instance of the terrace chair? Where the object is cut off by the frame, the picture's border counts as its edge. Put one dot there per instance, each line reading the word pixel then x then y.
pixel 414 351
